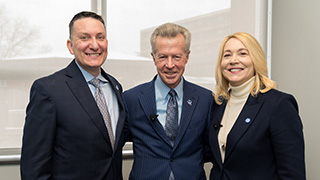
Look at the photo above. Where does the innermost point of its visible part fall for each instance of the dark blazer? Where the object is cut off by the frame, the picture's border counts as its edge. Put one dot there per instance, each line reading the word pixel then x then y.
pixel 265 143
pixel 64 134
pixel 153 154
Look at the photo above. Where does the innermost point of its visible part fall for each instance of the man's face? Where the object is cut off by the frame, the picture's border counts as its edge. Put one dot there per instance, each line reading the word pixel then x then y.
pixel 89 44
pixel 170 59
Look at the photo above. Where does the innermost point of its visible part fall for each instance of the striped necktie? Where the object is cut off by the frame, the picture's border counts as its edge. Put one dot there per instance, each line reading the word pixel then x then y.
pixel 102 105
pixel 171 126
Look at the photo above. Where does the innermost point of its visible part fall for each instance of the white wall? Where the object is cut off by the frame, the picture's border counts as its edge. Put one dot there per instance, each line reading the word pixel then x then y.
pixel 295 66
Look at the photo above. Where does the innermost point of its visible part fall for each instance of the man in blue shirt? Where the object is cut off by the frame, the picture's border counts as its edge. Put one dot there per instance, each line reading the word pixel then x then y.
pixel 168 117
pixel 68 133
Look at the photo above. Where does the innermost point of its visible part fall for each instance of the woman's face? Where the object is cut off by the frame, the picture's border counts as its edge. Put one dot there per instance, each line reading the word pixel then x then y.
pixel 236 64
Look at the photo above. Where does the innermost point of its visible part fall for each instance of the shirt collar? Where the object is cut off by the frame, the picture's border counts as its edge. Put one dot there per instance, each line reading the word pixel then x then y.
pixel 164 89
pixel 88 77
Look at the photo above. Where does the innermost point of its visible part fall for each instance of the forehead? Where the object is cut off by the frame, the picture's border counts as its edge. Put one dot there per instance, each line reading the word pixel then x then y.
pixel 170 42
pixel 234 44
pixel 88 24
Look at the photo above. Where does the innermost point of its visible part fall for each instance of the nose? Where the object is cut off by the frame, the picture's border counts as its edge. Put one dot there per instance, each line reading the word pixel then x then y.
pixel 94 44
pixel 170 63
pixel 234 59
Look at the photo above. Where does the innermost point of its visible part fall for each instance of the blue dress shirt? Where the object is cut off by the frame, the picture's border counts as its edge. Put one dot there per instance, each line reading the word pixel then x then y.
pixel 109 94
pixel 162 98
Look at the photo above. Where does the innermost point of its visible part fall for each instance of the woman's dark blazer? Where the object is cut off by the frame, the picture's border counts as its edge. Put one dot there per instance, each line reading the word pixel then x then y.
pixel 265 143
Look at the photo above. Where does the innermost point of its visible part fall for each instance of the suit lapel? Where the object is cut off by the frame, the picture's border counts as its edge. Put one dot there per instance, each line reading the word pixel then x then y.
pixel 148 103
pixel 217 117
pixel 81 91
pixel 243 122
pixel 214 130
pixel 190 100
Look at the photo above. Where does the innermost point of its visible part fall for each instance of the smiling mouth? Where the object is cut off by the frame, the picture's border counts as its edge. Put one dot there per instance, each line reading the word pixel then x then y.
pixel 93 54
pixel 235 70
pixel 170 73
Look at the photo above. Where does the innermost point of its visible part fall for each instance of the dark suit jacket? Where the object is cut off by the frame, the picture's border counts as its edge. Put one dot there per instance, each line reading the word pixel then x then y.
pixel 153 154
pixel 267 146
pixel 64 135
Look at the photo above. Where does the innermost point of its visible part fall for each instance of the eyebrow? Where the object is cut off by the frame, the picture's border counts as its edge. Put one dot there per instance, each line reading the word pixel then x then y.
pixel 163 54
pixel 82 33
pixel 241 49
pixel 85 33
pixel 245 49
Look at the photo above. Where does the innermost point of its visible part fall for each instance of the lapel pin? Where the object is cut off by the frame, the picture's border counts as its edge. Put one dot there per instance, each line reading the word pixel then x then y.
pixel 189 102
pixel 247 120
pixel 117 87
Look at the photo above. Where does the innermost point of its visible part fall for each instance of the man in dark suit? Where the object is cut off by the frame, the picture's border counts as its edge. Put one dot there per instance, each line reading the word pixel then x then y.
pixel 66 134
pixel 168 128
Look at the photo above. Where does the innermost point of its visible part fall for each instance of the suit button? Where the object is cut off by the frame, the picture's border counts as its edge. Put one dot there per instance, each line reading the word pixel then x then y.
pixel 171 159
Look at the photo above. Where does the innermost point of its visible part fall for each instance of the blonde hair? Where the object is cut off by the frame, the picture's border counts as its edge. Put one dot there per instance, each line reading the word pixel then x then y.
pixel 262 83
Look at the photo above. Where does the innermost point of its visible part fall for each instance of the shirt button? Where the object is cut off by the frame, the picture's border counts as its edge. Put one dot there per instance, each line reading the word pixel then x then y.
pixel 171 159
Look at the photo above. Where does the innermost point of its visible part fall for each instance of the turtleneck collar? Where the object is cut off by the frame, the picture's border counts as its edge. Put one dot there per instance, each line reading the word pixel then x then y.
pixel 243 90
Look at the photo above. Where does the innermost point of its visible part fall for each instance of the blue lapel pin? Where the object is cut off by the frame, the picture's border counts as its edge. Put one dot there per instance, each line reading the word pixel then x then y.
pixel 117 87
pixel 189 102
pixel 247 120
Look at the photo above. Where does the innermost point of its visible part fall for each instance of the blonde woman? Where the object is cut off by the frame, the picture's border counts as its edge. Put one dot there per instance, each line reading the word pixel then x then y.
pixel 256 131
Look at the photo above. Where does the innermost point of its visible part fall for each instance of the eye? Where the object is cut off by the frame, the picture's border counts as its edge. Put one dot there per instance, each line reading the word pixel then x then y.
pixel 243 53
pixel 162 58
pixel 101 37
pixel 226 55
pixel 177 57
pixel 84 37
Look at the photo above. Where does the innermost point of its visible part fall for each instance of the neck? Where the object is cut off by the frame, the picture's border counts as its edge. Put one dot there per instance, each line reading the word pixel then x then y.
pixel 243 90
pixel 94 71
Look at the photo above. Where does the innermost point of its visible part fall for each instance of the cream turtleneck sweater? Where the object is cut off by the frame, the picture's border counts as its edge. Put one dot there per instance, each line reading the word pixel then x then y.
pixel 238 98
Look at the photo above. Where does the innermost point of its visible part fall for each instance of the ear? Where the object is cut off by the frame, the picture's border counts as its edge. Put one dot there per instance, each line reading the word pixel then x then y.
pixel 154 59
pixel 187 57
pixel 69 45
